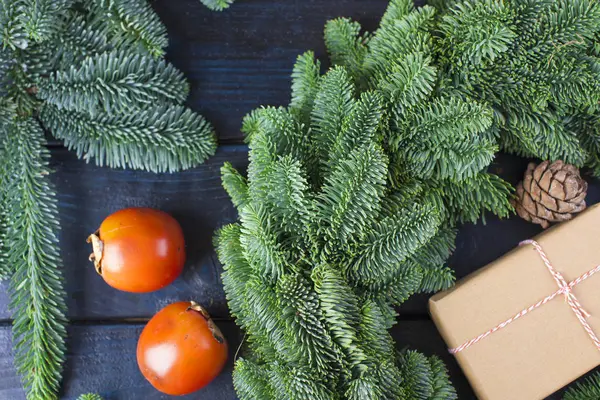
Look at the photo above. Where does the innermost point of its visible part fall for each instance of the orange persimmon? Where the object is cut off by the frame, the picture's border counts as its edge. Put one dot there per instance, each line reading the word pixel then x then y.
pixel 138 250
pixel 181 350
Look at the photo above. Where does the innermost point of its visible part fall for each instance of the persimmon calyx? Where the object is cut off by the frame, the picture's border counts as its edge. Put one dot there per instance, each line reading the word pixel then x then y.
pixel 98 250
pixel 214 329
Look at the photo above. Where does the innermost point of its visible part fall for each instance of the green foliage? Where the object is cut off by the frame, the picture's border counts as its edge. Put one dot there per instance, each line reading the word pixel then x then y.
pixel 130 24
pixel 324 248
pixel 528 61
pixel 90 73
pixel 36 288
pixel 114 82
pixel 163 138
pixel 217 5
pixel 589 389
pixel 424 377
pixel 440 142
pixel 89 396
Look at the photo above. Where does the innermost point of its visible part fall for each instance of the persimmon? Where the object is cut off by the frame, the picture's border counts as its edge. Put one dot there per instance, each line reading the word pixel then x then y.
pixel 138 250
pixel 181 350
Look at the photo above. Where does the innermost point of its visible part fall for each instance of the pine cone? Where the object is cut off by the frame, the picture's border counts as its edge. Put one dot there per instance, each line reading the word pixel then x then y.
pixel 550 193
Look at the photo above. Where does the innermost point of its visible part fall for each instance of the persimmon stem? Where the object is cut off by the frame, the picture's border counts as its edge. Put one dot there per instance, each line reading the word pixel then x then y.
pixel 214 329
pixel 98 250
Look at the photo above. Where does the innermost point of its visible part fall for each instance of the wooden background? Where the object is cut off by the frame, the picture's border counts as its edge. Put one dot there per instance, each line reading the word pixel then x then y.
pixel 236 61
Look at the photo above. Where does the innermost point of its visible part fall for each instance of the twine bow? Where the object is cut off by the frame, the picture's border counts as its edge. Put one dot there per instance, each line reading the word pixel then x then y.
pixel 563 288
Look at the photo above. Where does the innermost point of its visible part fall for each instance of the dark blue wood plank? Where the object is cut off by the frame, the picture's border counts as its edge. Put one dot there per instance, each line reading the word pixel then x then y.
pixel 242 58
pixel 87 194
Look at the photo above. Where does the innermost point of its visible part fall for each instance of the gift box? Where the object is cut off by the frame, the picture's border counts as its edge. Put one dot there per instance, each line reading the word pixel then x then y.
pixel 525 325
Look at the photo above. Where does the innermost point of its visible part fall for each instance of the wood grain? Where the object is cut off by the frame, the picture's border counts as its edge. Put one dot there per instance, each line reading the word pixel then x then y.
pixel 241 59
pixel 102 359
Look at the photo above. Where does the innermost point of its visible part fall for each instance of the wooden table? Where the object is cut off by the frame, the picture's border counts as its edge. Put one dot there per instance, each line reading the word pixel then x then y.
pixel 236 61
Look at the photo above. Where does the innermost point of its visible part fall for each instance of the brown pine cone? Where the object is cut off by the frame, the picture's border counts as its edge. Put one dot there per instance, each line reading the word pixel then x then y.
pixel 550 193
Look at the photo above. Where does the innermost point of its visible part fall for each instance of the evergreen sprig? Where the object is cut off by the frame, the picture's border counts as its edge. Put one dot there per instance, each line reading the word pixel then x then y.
pixel 30 253
pixel 589 389
pixel 89 396
pixel 217 5
pixel 91 74
pixel 323 248
pixel 348 208
pixel 439 142
pixel 535 63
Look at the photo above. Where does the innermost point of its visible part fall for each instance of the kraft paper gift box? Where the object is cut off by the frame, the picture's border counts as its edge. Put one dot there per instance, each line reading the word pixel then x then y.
pixel 548 347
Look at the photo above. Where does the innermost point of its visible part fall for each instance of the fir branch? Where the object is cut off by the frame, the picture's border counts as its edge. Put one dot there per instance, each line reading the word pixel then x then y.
pixel 408 82
pixel 396 10
pixel 468 200
pixel 340 307
pixel 360 127
pixel 235 185
pixel 393 240
pixel 6 269
pixel 78 41
pixel 237 271
pixel 114 82
pixel 445 139
pixel 12 31
pixel 159 138
pixel 217 5
pixel 297 384
pixel 89 396
pixel 409 34
pixel 259 242
pixel 309 342
pixel 543 135
pixel 348 202
pixel 41 19
pixel 251 381
pixel 364 387
pixel 589 389
pixel 375 340
pixel 129 24
pixel 333 102
pixel 345 44
pixel 305 83
pixel 422 377
pixel 288 198
pixel 36 290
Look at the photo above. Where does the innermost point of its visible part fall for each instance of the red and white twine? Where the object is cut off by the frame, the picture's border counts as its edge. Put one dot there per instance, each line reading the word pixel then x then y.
pixel 564 288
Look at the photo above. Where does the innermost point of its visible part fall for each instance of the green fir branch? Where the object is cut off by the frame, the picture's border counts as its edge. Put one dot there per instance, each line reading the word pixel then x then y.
pixel 158 138
pixel 41 19
pixel 251 381
pixel 589 389
pixel 316 326
pixel 114 82
pixel 235 185
pixel 37 297
pixel 12 31
pixel 345 44
pixel 89 396
pixel 129 24
pixel 217 5
pixel 305 83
